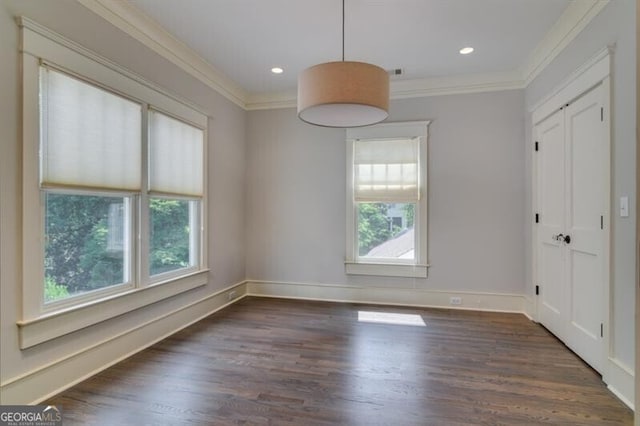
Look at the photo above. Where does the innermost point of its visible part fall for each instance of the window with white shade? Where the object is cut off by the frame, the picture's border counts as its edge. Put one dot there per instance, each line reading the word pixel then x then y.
pixel 386 200
pixel 114 202
pixel 91 177
pixel 176 186
pixel 90 172
pixel 386 169
pixel 175 156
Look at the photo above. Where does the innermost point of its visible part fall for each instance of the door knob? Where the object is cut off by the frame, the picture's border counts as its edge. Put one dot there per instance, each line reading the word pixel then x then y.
pixel 561 238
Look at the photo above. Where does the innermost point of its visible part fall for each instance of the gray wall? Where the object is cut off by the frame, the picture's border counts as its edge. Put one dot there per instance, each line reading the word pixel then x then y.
pixel 296 195
pixel 225 188
pixel 615 24
pixel 277 186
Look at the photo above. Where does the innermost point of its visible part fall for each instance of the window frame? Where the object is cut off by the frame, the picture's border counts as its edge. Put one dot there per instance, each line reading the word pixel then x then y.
pixel 39 323
pixel 356 265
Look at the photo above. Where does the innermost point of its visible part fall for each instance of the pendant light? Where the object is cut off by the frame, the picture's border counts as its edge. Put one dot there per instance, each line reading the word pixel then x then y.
pixel 343 93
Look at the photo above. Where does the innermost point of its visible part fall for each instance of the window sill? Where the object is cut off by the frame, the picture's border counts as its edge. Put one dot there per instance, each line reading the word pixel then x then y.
pixel 386 269
pixel 50 326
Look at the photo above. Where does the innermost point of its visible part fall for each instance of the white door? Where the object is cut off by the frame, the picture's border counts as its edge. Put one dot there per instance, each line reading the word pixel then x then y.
pixel 550 135
pixel 584 216
pixel 570 248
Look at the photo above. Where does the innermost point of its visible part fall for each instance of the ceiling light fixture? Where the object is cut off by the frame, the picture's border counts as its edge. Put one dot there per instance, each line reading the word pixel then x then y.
pixel 466 50
pixel 277 70
pixel 344 93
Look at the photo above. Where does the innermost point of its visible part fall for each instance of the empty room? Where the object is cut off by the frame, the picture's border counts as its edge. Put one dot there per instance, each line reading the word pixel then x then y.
pixel 318 212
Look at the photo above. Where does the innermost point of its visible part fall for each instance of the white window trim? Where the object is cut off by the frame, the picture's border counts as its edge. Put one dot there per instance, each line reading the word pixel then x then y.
pixel 356 266
pixel 40 45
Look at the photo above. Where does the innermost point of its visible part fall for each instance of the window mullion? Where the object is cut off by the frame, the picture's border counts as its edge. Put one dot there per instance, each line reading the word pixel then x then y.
pixel 143 233
pixel 194 237
pixel 417 232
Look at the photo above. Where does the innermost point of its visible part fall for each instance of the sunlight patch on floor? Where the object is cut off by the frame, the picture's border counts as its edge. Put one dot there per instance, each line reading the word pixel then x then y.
pixel 391 318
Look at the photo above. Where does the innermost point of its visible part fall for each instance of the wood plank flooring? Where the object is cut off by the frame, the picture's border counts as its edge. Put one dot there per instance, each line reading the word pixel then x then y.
pixel 283 362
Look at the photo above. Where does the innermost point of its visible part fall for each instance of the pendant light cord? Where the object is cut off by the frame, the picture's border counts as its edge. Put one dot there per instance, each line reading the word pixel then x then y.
pixel 342 30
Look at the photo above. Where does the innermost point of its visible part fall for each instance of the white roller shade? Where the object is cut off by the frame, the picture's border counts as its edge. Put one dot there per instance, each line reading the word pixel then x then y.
pixel 175 156
pixel 386 170
pixel 89 137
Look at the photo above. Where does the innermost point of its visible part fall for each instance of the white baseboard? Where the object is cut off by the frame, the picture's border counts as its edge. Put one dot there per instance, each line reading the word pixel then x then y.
pixel 51 379
pixel 620 380
pixel 494 302
pixel 530 308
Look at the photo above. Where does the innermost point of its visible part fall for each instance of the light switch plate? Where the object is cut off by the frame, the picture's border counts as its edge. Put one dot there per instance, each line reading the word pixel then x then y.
pixel 624 206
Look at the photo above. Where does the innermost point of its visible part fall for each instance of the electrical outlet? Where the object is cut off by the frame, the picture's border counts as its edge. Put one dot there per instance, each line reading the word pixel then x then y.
pixel 232 295
pixel 455 300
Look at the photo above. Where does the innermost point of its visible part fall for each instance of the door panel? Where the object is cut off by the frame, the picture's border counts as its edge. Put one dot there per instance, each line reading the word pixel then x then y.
pixel 584 272
pixel 552 299
pixel 550 136
pixel 584 207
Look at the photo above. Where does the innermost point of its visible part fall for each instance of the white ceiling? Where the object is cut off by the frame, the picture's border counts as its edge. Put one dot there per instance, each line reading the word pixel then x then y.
pixel 231 45
pixel 244 39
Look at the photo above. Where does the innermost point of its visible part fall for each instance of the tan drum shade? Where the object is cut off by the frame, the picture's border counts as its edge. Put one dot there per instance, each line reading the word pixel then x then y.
pixel 343 94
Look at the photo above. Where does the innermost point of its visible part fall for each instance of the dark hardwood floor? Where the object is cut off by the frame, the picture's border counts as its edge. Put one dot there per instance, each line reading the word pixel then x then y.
pixel 282 362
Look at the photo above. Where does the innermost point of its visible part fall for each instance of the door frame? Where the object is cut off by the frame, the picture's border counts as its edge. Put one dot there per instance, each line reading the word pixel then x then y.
pixel 595 71
pixel 637 313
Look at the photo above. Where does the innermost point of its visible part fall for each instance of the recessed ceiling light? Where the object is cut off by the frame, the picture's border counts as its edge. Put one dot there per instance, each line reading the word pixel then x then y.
pixel 466 50
pixel 277 70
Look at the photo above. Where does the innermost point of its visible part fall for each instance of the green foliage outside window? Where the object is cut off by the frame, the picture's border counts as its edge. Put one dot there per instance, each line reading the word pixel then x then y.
pixel 75 250
pixel 409 211
pixel 375 227
pixel 169 235
pixel 53 291
pixel 85 246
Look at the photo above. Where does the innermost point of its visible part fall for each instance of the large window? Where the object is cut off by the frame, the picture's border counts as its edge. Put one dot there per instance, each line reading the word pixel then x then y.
pixel 114 190
pixel 175 185
pixel 386 229
pixel 91 179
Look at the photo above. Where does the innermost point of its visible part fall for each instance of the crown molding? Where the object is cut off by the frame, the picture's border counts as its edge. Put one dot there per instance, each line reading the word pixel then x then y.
pixel 572 21
pixel 272 100
pixel 133 22
pixel 136 24
pixel 455 85
pixel 403 89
